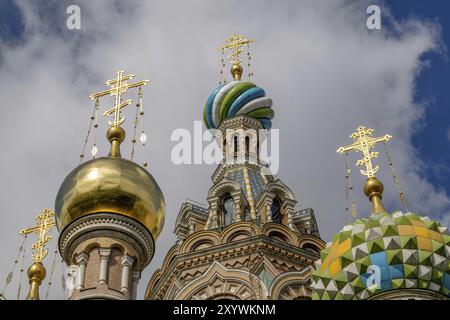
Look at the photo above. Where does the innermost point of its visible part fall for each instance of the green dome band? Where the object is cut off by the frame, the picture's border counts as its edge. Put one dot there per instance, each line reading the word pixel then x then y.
pixel 231 96
pixel 262 113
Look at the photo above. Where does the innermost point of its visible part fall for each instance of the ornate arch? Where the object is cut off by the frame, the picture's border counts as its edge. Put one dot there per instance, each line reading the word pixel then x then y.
pixel 292 285
pixel 181 215
pixel 171 254
pixel 307 239
pixel 220 282
pixel 238 228
pixel 271 227
pixel 223 186
pixel 156 276
pixel 281 190
pixel 195 239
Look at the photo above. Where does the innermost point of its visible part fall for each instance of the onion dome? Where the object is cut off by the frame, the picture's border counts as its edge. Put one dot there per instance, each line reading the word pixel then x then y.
pixel 111 185
pixel 237 97
pixel 383 256
pixel 234 98
pixel 406 250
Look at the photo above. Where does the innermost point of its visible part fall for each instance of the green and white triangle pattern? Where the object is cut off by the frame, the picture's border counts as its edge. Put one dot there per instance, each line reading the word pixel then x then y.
pixel 389 242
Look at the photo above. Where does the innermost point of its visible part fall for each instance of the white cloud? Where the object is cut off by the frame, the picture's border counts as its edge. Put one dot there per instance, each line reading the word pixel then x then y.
pixel 325 71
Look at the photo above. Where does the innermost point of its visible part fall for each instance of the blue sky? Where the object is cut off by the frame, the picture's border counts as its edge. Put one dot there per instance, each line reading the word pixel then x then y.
pixel 433 87
pixel 11 25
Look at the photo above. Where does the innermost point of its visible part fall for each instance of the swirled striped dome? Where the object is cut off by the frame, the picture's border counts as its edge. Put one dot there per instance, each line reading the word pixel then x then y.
pixel 234 98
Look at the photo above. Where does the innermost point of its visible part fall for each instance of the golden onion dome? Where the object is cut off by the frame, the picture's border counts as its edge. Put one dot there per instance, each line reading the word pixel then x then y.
pixel 111 185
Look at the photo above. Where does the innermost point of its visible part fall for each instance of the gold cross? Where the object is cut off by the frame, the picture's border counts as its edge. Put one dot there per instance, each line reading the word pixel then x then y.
pixel 44 223
pixel 119 86
pixel 363 142
pixel 235 44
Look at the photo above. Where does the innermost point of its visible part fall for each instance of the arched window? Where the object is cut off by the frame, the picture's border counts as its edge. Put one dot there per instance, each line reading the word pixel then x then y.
pixel 236 146
pixel 311 248
pixel 275 211
pixel 277 236
pixel 247 145
pixel 227 210
pixel 257 148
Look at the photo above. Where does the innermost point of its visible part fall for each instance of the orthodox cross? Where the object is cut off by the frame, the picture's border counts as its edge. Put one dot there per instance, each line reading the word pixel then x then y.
pixel 235 44
pixel 119 86
pixel 44 223
pixel 364 142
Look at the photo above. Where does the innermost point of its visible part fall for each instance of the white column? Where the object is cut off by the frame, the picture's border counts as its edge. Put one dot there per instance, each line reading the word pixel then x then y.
pixel 127 262
pixel 269 212
pixel 237 211
pixel 215 218
pixel 72 277
pixel 104 259
pixel 191 227
pixel 291 222
pixel 135 276
pixel 307 228
pixel 81 261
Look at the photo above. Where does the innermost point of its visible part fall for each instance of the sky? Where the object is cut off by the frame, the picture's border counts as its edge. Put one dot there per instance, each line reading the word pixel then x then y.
pixel 325 71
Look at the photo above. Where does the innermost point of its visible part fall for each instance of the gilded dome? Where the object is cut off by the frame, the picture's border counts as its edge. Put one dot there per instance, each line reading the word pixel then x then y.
pixel 113 185
pixel 407 250
pixel 234 98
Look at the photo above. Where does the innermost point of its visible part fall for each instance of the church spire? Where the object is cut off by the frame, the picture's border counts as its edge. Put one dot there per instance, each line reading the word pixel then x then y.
pixel 364 142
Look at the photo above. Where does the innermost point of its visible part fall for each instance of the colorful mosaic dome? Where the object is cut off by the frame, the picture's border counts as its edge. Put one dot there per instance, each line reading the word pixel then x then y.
pixel 408 250
pixel 234 98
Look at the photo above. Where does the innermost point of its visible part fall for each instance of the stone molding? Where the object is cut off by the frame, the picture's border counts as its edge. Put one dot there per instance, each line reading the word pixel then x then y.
pixel 107 225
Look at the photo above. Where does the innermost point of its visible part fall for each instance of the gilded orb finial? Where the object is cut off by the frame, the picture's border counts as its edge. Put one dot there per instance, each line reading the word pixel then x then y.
pixel 235 44
pixel 236 72
pixel 36 274
pixel 364 142
pixel 373 189
pixel 115 135
pixel 119 86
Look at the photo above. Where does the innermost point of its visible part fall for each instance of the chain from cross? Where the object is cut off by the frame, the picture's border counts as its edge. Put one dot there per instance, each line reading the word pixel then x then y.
pixel 364 142
pixel 235 44
pixel 119 86
pixel 44 223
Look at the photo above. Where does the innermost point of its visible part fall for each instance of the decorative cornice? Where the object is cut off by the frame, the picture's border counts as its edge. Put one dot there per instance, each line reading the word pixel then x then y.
pixel 218 271
pixel 219 172
pixel 190 208
pixel 127 261
pixel 107 225
pixel 82 258
pixel 240 120
pixel 260 243
pixel 104 253
pixel 409 293
pixel 94 294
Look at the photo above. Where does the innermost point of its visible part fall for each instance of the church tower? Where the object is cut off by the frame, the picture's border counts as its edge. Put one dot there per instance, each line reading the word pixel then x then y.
pixel 109 212
pixel 250 242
